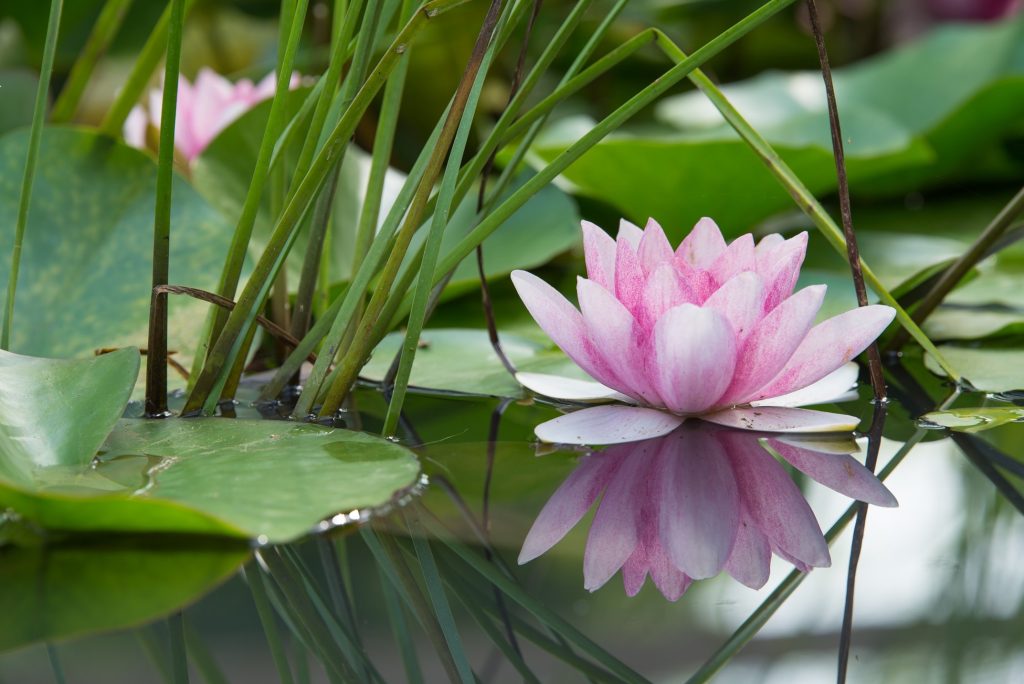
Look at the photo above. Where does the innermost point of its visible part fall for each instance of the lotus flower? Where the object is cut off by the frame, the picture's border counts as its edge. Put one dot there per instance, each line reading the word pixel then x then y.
pixel 702 499
pixel 709 330
pixel 204 109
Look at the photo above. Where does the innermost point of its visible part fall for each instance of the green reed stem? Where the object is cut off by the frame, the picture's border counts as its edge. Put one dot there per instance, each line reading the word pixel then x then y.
pixel 400 630
pixel 254 579
pixel 55 666
pixel 176 632
pixel 145 64
pixel 354 358
pixel 293 13
pixel 201 657
pixel 31 158
pixel 225 349
pixel 432 247
pixel 156 358
pixel 103 32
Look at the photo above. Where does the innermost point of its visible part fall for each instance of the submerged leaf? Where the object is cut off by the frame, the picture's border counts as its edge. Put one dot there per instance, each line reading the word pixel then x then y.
pixel 975 419
pixel 987 370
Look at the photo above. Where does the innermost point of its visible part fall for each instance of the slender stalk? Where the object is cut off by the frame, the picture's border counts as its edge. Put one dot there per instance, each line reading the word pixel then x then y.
pixel 311 263
pixel 845 212
pixel 103 32
pixel 55 666
pixel 406 645
pixel 349 366
pixel 28 177
pixel 952 276
pixel 145 64
pixel 266 614
pixel 179 657
pixel 223 352
pixel 202 658
pixel 857 543
pixel 439 222
pixel 156 359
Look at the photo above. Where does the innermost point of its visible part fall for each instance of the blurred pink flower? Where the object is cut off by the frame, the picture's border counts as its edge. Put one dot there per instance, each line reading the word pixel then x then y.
pixel 710 329
pixel 204 109
pixel 700 500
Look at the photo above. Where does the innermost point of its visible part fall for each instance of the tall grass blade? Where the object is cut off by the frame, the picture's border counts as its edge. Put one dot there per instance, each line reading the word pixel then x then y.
pixel 29 175
pixel 278 654
pixel 201 657
pixel 400 629
pixel 179 654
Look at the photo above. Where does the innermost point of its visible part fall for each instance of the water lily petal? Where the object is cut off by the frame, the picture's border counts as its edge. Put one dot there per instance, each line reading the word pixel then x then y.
pixel 771 344
pixel 782 419
pixel 692 358
pixel 611 330
pixel 780 268
pixel 569 389
pixel 751 557
pixel 662 291
pixel 741 301
pixel 737 258
pixel 654 248
pixel 610 424
pixel 703 245
pixel 775 503
pixel 766 245
pixel 630 233
pixel 700 505
pixel 839 472
pixel 629 276
pixel 834 387
pixel 569 503
pixel 599 253
pixel 562 322
pixel 827 346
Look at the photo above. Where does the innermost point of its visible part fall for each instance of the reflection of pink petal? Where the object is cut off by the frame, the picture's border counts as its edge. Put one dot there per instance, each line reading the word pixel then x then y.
pixel 775 503
pixel 782 419
pixel 569 504
pixel 840 472
pixel 751 557
pixel 612 424
pixel 700 506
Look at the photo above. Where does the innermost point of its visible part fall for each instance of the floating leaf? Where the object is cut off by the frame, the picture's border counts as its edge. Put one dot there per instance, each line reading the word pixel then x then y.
pixel 975 419
pixel 910 117
pixel 85 269
pixel 463 361
pixel 957 323
pixel 245 478
pixel 58 592
pixel 988 370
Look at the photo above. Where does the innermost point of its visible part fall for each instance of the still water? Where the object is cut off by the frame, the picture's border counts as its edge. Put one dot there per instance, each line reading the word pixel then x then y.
pixel 431 588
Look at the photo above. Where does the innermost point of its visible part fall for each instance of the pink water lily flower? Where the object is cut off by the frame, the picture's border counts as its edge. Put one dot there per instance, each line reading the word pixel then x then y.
pixel 697 501
pixel 710 330
pixel 204 109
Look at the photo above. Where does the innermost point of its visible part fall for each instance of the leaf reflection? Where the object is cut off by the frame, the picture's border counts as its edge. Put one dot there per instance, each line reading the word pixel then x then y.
pixel 698 501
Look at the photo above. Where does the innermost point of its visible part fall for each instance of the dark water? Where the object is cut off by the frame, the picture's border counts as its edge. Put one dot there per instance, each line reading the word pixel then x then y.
pixel 939 586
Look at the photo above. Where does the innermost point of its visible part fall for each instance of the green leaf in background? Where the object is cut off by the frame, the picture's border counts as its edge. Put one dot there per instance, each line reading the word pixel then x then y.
pixel 463 362
pixel 910 117
pixel 987 370
pixel 975 419
pixel 17 97
pixel 85 269
pixel 58 592
pixel 272 480
pixel 956 323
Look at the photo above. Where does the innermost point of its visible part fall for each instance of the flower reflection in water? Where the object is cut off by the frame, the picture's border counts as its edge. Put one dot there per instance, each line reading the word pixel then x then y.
pixel 697 501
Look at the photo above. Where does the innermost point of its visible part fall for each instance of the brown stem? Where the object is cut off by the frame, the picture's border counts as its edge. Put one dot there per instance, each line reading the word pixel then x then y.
pixel 963 264
pixel 272 328
pixel 852 253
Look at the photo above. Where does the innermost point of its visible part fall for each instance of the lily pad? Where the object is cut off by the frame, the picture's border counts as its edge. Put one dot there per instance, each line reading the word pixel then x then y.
pixel 987 370
pixel 958 323
pixel 463 362
pixel 86 265
pixel 975 419
pixel 58 592
pixel 271 480
pixel 910 117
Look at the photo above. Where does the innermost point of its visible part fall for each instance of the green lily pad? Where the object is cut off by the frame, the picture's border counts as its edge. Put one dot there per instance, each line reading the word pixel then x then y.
pixel 910 117
pixel 463 362
pixel 988 370
pixel 86 265
pixel 957 323
pixel 58 592
pixel 975 419
pixel 271 480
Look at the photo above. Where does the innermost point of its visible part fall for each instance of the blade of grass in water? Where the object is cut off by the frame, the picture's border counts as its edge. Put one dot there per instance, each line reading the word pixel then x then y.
pixel 152 643
pixel 400 629
pixel 202 658
pixel 156 358
pixel 497 638
pixel 29 174
pixel 145 65
pixel 55 666
pixel 179 655
pixel 254 579
pixel 103 32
